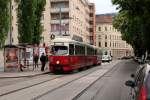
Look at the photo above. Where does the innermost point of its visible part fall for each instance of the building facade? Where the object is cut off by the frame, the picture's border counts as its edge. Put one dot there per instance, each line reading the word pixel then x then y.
pixel 92 22
pixel 12 37
pixel 62 18
pixel 71 18
pixel 109 39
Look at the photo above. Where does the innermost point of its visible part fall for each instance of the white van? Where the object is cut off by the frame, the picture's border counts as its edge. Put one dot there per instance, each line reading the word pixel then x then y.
pixel 106 58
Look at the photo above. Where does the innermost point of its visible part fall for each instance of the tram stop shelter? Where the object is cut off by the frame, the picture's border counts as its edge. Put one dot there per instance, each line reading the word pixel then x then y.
pixel 14 58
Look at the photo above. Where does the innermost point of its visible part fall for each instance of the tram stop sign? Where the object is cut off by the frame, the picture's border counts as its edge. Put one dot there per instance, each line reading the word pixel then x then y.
pixel 52 36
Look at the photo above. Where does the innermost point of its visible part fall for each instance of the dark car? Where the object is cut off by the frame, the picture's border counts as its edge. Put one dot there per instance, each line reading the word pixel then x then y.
pixel 139 60
pixel 126 57
pixel 140 85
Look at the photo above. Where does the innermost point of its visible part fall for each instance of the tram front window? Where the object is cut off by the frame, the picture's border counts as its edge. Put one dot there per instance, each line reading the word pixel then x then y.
pixel 59 50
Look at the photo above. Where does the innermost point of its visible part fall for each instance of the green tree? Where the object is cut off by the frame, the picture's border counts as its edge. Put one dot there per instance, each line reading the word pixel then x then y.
pixel 29 20
pixel 133 20
pixel 4 20
pixel 38 28
pixel 26 20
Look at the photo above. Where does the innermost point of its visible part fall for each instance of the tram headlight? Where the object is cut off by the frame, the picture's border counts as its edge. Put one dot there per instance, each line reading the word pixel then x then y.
pixel 57 62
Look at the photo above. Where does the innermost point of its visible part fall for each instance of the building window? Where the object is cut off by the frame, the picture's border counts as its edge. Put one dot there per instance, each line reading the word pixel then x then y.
pixel 42 39
pixel 99 28
pixel 12 7
pixel 91 29
pixel 42 17
pixel 54 27
pixel 105 44
pixel 99 37
pixel 12 40
pixel 110 44
pixel 12 28
pixel 99 44
pixel 105 36
pixel 105 28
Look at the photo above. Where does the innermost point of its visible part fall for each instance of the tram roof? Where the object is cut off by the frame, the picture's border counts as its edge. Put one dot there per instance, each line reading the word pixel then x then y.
pixel 63 40
pixel 67 40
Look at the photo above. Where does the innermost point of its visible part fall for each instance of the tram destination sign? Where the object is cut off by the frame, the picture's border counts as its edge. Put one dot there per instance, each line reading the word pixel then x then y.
pixel 58 43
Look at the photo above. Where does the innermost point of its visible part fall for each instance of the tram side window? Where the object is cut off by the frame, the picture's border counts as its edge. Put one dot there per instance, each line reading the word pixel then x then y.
pixel 95 52
pixel 90 51
pixel 83 50
pixel 79 50
pixel 71 49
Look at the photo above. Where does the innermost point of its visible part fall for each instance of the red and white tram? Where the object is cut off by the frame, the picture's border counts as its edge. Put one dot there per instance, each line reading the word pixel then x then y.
pixel 68 55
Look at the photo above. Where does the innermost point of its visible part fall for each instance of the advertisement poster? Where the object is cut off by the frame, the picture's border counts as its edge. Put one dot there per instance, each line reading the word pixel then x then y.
pixel 1 61
pixel 11 58
pixel 36 51
pixel 41 50
pixel 29 54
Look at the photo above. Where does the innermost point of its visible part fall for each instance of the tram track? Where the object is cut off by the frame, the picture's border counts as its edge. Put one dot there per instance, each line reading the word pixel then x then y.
pixel 33 85
pixel 16 90
pixel 82 74
pixel 81 92
pixel 10 81
pixel 62 86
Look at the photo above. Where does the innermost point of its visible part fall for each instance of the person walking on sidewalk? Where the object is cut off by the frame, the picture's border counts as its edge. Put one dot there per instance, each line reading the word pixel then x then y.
pixel 36 58
pixel 43 61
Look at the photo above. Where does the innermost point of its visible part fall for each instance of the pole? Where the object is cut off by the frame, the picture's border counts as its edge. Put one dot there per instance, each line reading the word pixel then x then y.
pixel 60 21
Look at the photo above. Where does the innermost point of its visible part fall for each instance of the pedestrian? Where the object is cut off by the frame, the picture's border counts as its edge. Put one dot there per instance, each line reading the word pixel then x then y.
pixel 36 58
pixel 43 61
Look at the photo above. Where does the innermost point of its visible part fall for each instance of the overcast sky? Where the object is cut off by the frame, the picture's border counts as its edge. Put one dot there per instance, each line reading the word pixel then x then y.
pixel 104 6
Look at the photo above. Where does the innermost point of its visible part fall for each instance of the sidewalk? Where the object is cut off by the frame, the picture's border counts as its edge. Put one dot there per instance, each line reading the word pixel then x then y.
pixel 29 73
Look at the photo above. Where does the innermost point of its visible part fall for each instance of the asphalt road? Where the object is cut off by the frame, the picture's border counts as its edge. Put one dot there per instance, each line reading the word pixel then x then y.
pixel 66 87
pixel 112 85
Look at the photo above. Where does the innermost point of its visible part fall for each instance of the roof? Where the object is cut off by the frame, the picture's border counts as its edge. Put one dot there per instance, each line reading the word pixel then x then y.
pixel 62 40
pixel 67 40
pixel 104 18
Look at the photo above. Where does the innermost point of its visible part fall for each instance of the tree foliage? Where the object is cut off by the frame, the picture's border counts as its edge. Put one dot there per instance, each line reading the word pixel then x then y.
pixel 26 20
pixel 38 28
pixel 29 20
pixel 4 20
pixel 133 20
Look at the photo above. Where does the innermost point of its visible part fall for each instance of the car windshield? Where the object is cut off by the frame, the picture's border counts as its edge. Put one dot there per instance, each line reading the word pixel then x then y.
pixel 59 50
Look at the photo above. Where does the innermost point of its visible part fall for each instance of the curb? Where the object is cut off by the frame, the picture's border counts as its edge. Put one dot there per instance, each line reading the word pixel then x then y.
pixel 24 75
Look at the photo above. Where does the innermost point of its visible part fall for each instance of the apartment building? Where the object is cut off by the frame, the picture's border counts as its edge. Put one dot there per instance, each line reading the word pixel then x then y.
pixel 73 19
pixel 109 39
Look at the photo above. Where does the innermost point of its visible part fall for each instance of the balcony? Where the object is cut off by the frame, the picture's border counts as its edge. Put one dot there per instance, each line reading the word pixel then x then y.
pixel 63 33
pixel 57 21
pixel 57 10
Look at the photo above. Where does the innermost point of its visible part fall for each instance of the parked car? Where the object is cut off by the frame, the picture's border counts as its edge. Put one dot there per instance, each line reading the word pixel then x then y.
pixel 138 60
pixel 140 85
pixel 106 58
pixel 126 57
